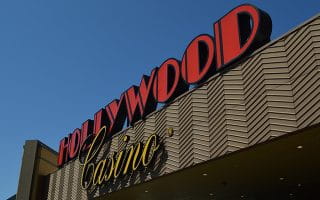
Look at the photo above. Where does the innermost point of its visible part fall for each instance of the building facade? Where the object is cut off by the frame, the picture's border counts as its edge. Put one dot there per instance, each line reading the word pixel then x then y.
pixel 249 132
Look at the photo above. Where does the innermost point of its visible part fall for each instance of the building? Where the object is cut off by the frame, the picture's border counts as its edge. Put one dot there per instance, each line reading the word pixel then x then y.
pixel 249 132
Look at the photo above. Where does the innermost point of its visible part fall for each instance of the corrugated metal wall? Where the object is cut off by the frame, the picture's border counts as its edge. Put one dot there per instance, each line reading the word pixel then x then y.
pixel 274 92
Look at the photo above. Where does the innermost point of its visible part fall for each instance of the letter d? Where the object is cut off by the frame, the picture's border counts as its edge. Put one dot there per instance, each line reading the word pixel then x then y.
pixel 240 32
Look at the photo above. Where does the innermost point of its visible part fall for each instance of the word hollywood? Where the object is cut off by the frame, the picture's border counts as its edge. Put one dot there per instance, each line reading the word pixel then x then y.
pixel 237 34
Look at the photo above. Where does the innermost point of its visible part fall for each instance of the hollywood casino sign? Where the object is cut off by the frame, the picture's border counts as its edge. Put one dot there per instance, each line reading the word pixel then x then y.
pixel 236 35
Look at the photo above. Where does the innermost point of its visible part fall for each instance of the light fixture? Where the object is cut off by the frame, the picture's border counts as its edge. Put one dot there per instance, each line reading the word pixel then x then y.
pixel 210 194
pixel 170 132
pixel 299 147
pixel 281 178
pixel 204 174
pixel 146 191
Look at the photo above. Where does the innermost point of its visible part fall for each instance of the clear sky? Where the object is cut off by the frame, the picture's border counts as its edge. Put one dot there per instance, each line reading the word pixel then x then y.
pixel 62 60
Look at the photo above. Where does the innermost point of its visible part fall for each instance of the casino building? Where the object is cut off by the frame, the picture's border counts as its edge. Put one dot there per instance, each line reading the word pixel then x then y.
pixel 250 129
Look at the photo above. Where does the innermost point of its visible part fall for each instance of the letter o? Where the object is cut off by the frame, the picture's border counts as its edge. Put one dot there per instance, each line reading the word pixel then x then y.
pixel 168 83
pixel 75 140
pixel 198 59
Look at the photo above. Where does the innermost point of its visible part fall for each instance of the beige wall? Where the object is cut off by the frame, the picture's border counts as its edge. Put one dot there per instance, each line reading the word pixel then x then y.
pixel 37 163
pixel 274 92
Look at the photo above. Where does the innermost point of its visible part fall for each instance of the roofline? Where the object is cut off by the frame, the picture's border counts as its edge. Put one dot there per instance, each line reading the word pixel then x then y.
pixel 259 50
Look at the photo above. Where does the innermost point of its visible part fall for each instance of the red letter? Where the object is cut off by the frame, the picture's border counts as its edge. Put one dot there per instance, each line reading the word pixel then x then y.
pixel 145 91
pixel 139 100
pixel 100 120
pixel 168 83
pixel 198 59
pixel 63 152
pixel 133 104
pixel 241 31
pixel 74 143
pixel 116 111
pixel 86 130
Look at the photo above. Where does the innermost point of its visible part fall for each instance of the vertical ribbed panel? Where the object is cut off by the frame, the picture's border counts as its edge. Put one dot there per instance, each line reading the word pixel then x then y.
pixel 61 183
pixel 82 194
pixel 235 115
pixel 171 165
pixel 138 132
pixel 121 143
pixel 274 92
pixel 78 183
pixel 149 127
pixel 278 91
pixel 217 122
pixel 65 182
pixel 74 182
pixel 200 124
pixel 303 60
pixel 114 146
pixel 57 185
pixel 129 132
pixel 268 95
pixel 185 141
pixel 256 100
pixel 138 137
pixel 170 119
pixel 70 181
pixel 52 183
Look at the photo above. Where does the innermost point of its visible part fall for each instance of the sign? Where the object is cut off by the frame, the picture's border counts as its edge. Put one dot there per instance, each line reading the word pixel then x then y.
pixel 236 35
pixel 98 171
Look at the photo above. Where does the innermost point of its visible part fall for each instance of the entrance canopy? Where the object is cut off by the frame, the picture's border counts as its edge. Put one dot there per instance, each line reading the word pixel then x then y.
pixel 284 168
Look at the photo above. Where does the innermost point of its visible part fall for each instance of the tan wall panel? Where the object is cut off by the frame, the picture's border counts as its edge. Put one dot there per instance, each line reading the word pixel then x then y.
pixel 273 92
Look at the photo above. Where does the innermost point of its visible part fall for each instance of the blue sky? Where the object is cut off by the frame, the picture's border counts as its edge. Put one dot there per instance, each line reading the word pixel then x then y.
pixel 60 61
